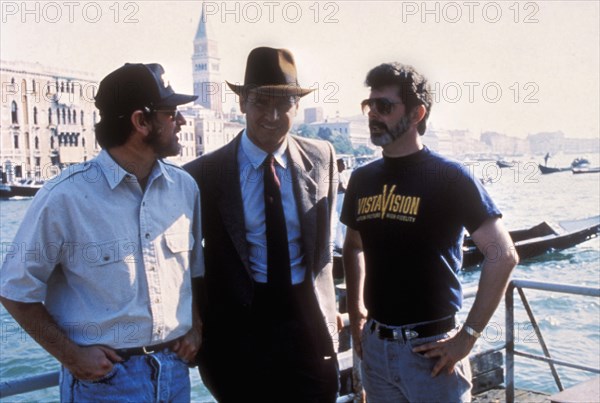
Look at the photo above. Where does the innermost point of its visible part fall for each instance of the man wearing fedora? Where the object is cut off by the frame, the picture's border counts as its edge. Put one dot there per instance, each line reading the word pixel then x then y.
pixel 101 270
pixel 269 311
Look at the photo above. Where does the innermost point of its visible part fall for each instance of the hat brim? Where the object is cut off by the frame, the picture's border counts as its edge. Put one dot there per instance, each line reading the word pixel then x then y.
pixel 177 99
pixel 284 90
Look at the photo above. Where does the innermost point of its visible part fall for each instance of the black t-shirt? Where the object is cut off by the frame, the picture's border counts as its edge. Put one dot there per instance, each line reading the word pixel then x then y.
pixel 411 213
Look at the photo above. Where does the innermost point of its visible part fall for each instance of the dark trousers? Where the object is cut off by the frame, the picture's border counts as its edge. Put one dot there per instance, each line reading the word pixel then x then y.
pixel 284 354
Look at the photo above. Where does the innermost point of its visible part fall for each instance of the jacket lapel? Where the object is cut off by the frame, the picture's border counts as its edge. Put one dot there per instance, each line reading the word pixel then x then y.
pixel 230 200
pixel 305 191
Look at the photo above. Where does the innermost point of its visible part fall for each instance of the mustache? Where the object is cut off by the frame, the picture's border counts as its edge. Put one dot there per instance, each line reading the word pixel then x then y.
pixel 375 124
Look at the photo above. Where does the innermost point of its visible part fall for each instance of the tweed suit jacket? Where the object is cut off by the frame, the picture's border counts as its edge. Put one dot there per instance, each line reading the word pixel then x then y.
pixel 227 292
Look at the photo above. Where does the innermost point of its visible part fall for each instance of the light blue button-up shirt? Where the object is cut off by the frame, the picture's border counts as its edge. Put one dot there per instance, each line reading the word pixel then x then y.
pixel 112 263
pixel 250 159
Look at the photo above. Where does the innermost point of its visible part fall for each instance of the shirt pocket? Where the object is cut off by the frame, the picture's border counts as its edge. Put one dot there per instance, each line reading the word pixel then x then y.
pixel 111 270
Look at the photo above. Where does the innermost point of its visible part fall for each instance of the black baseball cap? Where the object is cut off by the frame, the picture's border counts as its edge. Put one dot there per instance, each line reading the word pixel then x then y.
pixel 135 86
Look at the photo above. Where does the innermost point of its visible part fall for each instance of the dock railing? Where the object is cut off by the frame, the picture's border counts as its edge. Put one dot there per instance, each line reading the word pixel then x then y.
pixel 50 379
pixel 511 352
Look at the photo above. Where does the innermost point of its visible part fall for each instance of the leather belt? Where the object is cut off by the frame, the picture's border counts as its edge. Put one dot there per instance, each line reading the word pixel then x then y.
pixel 410 332
pixel 130 352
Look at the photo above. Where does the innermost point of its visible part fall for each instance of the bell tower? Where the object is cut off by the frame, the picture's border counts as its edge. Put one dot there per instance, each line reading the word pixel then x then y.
pixel 205 67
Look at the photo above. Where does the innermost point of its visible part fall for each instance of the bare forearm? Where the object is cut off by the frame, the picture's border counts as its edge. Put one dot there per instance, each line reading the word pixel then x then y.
pixel 35 319
pixel 492 286
pixel 355 275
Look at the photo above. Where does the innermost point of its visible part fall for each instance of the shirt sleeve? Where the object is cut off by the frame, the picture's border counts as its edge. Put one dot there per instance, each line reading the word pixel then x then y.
pixel 348 215
pixel 29 260
pixel 477 205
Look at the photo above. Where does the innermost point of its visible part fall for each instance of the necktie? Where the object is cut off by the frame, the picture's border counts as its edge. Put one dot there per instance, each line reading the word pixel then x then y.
pixel 278 256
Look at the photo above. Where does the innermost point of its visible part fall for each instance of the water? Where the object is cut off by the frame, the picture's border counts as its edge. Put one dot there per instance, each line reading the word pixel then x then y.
pixel 570 325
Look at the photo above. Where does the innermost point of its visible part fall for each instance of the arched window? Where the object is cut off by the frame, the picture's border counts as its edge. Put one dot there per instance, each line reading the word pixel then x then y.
pixel 16 142
pixel 74 116
pixel 35 122
pixel 33 85
pixel 36 142
pixel 49 116
pixel 63 116
pixel 14 113
pixel 52 141
pixel 58 116
pixel 62 87
pixel 69 116
pixel 81 118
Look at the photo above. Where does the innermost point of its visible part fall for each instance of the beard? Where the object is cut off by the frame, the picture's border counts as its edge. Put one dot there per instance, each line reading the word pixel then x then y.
pixel 162 145
pixel 381 135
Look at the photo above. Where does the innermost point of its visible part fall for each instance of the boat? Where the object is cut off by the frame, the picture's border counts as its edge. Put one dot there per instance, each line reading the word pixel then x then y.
pixel 505 164
pixel 550 170
pixel 576 164
pixel 22 188
pixel 540 239
pixel 585 170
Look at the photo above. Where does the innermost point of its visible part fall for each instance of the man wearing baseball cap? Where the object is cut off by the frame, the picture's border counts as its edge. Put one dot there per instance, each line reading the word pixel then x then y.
pixel 270 310
pixel 101 272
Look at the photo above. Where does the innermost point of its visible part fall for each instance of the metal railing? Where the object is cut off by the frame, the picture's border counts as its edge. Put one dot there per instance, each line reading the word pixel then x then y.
pixel 49 379
pixel 520 285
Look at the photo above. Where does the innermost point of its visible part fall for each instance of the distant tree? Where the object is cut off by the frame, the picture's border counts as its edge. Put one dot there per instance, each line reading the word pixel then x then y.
pixel 342 145
pixel 307 131
pixel 363 150
pixel 326 134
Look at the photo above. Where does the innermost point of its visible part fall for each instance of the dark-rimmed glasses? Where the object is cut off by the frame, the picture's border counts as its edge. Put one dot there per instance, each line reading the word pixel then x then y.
pixel 172 113
pixel 382 106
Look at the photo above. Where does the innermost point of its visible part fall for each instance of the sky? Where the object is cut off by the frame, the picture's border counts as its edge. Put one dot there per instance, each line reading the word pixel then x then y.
pixel 514 67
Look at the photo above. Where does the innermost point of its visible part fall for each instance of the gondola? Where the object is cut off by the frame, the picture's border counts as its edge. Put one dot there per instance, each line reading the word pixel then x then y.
pixel 540 239
pixel 576 164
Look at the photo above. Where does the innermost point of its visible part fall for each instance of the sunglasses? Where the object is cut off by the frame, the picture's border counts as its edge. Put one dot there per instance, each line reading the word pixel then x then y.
pixel 382 106
pixel 172 113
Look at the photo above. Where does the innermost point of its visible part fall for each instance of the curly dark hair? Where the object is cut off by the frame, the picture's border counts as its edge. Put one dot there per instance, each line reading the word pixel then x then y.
pixel 413 87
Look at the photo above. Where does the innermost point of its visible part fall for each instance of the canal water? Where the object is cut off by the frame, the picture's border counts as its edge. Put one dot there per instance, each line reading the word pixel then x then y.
pixel 570 325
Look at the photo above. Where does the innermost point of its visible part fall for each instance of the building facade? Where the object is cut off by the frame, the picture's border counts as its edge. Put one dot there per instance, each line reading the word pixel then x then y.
pixel 47 119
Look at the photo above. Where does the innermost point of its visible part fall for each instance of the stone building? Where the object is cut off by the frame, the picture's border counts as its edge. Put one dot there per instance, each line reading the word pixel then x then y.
pixel 47 119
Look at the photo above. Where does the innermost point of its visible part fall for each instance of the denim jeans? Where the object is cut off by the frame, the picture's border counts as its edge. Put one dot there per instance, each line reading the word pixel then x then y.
pixel 393 373
pixel 158 377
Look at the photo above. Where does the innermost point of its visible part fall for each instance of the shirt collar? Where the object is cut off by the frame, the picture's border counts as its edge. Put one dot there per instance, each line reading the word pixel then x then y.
pixel 257 156
pixel 115 174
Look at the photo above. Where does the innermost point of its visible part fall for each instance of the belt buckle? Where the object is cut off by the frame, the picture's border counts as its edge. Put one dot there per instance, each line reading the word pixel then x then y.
pixel 410 334
pixel 148 352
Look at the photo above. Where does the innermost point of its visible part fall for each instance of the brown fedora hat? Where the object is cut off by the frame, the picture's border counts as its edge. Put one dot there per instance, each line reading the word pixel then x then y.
pixel 270 72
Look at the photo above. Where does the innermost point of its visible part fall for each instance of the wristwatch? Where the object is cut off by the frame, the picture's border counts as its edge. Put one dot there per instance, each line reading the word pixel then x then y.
pixel 471 331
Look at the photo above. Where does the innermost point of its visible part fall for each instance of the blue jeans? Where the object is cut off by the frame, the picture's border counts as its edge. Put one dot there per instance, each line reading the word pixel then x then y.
pixel 158 377
pixel 392 373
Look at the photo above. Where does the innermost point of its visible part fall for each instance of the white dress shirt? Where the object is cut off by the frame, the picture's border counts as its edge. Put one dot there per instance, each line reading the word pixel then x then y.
pixel 250 160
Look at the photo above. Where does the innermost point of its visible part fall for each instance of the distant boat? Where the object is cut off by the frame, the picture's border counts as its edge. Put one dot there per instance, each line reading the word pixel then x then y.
pixel 22 188
pixel 577 163
pixel 551 170
pixel 505 164
pixel 540 239
pixel 585 170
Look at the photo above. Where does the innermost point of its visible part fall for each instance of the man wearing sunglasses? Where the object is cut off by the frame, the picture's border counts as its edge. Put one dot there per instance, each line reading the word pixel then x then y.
pixel 406 214
pixel 101 270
